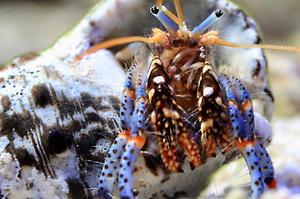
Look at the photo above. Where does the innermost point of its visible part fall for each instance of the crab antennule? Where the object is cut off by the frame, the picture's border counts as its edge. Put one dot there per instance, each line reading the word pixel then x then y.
pixel 159 3
pixel 167 21
pixel 179 12
pixel 209 21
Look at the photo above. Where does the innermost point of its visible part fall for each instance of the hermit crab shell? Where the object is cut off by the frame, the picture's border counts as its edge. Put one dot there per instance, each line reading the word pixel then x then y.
pixel 58 118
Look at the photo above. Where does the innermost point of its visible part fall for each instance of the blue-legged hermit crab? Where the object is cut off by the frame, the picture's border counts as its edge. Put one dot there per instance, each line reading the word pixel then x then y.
pixel 175 96
pixel 195 97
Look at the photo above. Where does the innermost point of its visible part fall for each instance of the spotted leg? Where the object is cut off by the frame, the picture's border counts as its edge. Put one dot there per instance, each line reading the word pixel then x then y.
pixel 267 166
pixel 263 134
pixel 109 171
pixel 215 126
pixel 260 150
pixel 240 111
pixel 167 121
pixel 134 145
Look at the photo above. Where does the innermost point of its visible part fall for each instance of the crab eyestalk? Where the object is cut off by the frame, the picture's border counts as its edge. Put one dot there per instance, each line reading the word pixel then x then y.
pixel 208 22
pixel 165 20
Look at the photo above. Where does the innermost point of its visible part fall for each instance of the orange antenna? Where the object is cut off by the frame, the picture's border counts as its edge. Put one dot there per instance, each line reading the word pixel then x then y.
pixel 179 19
pixel 212 38
pixel 221 42
pixel 159 3
pixel 158 37
pixel 179 12
pixel 170 15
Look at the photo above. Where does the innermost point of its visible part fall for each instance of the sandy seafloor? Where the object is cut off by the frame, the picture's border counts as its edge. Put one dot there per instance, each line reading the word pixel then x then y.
pixel 18 34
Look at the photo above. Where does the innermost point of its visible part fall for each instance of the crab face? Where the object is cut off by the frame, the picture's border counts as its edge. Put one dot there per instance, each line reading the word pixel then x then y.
pixel 58 133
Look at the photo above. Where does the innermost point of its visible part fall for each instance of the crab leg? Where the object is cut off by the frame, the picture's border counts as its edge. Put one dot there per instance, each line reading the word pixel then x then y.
pixel 215 128
pixel 267 166
pixel 161 116
pixel 109 171
pixel 167 120
pixel 248 116
pixel 242 120
pixel 134 145
pixel 127 106
pixel 246 108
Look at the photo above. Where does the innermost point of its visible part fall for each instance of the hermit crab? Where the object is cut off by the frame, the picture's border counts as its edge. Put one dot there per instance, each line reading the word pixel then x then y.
pixel 194 110
pixel 194 97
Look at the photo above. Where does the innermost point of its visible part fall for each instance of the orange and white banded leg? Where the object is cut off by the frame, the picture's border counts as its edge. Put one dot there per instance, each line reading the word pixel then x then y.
pixel 167 120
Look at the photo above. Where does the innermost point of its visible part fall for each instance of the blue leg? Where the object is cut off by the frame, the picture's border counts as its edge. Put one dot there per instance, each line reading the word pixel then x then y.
pixel 134 145
pixel 240 112
pixel 267 166
pixel 238 126
pixel 127 106
pixel 111 164
pixel 260 150
pixel 255 169
pixel 109 171
pixel 246 108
